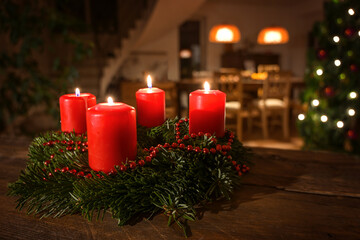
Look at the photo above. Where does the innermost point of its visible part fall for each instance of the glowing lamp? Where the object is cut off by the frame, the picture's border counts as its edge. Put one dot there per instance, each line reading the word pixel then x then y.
pixel 273 35
pixel 224 33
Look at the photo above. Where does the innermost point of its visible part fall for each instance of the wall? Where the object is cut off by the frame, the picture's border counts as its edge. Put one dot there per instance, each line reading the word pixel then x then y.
pixel 250 16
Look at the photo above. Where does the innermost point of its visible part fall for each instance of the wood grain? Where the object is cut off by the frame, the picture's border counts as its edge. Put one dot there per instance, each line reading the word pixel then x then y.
pixel 287 195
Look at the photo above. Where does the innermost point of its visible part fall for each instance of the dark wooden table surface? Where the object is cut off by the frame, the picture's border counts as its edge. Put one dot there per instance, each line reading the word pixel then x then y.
pixel 287 195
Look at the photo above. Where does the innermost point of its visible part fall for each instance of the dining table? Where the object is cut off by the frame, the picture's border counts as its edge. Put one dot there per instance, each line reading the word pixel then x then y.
pixel 288 194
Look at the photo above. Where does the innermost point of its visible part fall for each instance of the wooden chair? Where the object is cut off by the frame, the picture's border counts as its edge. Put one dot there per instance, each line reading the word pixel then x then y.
pixel 229 82
pixel 275 100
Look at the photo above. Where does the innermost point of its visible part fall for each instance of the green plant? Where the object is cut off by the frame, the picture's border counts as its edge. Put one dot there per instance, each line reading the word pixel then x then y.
pixel 33 69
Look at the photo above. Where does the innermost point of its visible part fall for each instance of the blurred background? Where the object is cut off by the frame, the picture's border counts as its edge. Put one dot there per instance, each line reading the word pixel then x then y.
pixel 275 59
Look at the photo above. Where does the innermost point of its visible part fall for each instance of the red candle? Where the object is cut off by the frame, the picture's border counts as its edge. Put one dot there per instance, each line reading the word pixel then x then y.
pixel 207 111
pixel 150 103
pixel 111 135
pixel 73 109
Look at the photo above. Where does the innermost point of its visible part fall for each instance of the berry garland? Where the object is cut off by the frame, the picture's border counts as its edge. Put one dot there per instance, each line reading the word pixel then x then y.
pixel 174 172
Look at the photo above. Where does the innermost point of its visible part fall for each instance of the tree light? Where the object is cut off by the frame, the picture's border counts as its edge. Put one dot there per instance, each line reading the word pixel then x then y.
pixel 359 33
pixel 337 62
pixel 315 102
pixel 351 112
pixel 301 116
pixel 352 95
pixel 324 118
pixel 319 72
pixel 351 11
pixel 340 124
pixel 336 39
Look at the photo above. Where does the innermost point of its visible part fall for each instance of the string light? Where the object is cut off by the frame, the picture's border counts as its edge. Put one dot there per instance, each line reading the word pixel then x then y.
pixel 315 102
pixel 336 39
pixel 324 118
pixel 337 62
pixel 301 116
pixel 319 72
pixel 351 11
pixel 359 33
pixel 340 124
pixel 351 112
pixel 352 95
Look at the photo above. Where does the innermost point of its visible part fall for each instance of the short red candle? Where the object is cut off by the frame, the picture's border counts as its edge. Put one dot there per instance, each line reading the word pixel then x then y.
pixel 150 106
pixel 111 135
pixel 73 109
pixel 207 112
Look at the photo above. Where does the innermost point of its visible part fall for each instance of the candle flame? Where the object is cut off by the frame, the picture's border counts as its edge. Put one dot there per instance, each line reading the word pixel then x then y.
pixel 207 86
pixel 110 100
pixel 149 84
pixel 77 92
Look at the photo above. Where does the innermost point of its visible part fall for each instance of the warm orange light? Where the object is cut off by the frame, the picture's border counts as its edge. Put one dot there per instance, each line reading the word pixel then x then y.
pixel 77 92
pixel 273 35
pixel 224 33
pixel 149 81
pixel 206 86
pixel 110 100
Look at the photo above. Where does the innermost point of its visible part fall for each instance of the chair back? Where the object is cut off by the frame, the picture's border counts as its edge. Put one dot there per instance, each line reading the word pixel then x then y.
pixel 229 82
pixel 277 85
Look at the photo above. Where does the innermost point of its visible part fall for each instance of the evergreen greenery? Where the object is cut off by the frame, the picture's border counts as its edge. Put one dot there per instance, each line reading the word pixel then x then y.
pixel 332 92
pixel 58 181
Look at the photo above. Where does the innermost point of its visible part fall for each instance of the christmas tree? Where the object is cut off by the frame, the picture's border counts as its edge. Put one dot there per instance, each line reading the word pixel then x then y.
pixel 332 94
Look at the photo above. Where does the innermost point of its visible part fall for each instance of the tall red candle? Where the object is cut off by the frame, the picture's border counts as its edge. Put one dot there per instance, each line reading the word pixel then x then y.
pixel 150 106
pixel 111 135
pixel 207 112
pixel 73 109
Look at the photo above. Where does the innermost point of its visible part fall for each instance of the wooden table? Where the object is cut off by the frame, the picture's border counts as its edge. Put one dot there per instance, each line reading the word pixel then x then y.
pixel 287 195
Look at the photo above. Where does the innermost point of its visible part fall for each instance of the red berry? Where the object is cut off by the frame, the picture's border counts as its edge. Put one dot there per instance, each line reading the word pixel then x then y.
pixel 179 141
pixel 146 150
pixel 63 142
pixel 189 148
pixel 50 174
pixel 47 162
pixel 141 162
pixel 224 147
pixel 200 134
pixel 231 140
pixel 197 149
pixel 123 168
pixel 213 150
pixel 81 174
pixel 44 179
pixel 70 142
pixel 148 158
pixel 223 153
pixel 177 137
pixel 83 149
pixel 186 119
pixel 234 163
pixel 243 170
pixel 88 175
pixel 52 156
pixel 73 171
pixel 205 150
pixel 174 145
pixel 239 173
pixel 152 155
pixel 229 157
pixel 60 150
pixel 166 145
pixel 193 135
pixel 181 121
pixel 178 133
pixel 177 129
pixel 237 167
pixel 83 144
pixel 186 137
pixel 56 169
pixel 208 135
pixel 78 142
pixel 214 140
pixel 156 150
pixel 247 168
pixel 44 144
pixel 218 147
pixel 132 164
pixel 232 135
pixel 65 169
pixel 182 146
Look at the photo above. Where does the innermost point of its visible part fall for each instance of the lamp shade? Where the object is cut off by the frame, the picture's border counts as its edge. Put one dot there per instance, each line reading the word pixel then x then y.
pixel 224 33
pixel 273 35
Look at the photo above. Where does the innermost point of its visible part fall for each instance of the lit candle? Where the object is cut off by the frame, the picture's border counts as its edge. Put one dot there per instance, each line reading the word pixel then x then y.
pixel 111 135
pixel 150 104
pixel 73 109
pixel 207 111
